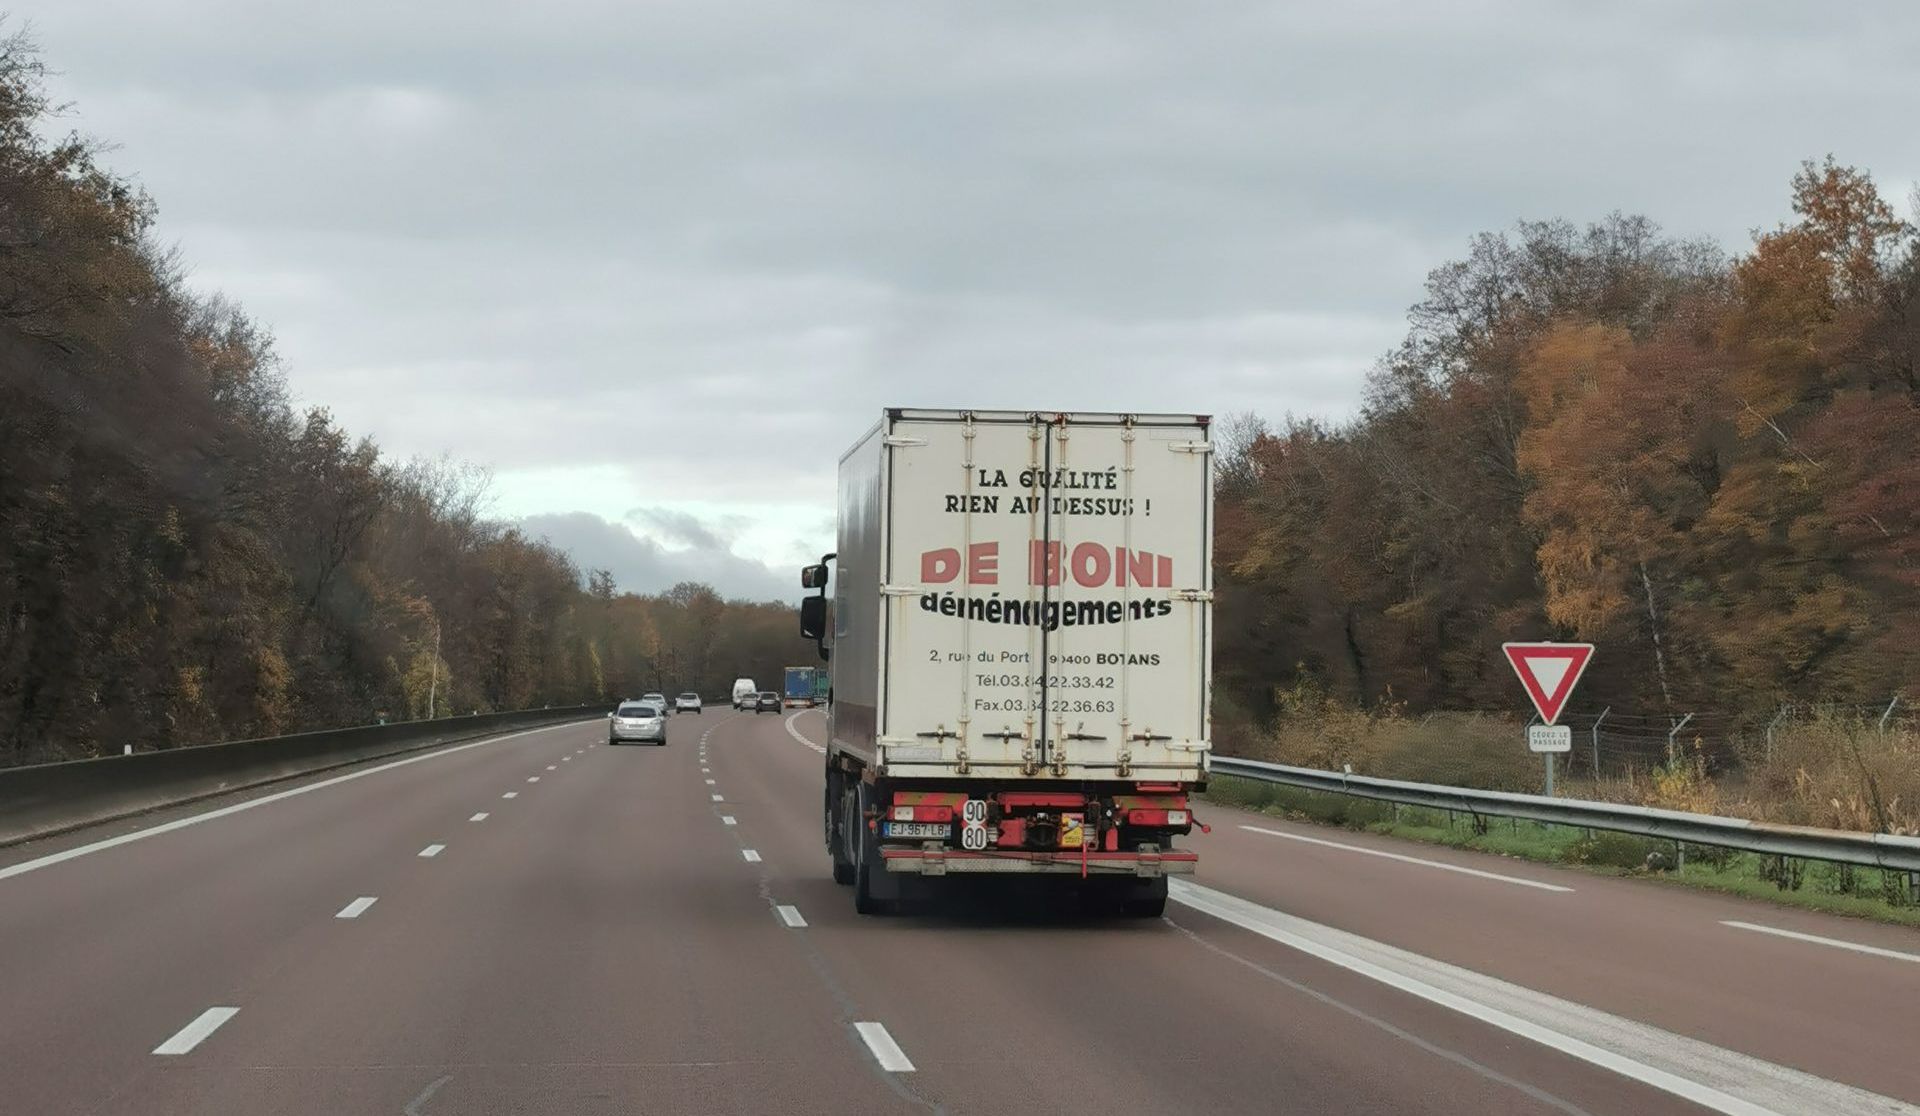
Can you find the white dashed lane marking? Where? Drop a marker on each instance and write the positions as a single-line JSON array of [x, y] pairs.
[[196, 1032], [885, 1051], [356, 908], [432, 850], [791, 916]]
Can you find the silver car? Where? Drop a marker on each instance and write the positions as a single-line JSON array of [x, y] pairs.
[[643, 721]]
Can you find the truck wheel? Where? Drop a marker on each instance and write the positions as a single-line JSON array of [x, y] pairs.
[[873, 892], [1146, 900], [837, 808]]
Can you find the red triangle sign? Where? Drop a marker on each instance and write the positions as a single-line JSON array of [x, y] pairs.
[[1549, 672]]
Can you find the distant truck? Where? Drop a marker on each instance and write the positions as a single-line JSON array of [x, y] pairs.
[[798, 691], [822, 685], [1020, 632]]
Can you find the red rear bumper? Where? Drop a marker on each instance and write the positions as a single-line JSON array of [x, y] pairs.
[[925, 862]]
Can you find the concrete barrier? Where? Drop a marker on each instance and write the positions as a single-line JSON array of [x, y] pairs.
[[51, 798]]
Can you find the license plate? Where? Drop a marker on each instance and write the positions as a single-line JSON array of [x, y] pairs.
[[917, 829]]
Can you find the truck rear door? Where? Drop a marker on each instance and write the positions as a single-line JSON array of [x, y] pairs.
[[1048, 582]]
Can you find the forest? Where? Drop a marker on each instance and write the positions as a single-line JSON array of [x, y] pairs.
[[185, 557], [1706, 464]]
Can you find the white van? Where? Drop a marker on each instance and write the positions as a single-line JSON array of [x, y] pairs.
[[744, 691]]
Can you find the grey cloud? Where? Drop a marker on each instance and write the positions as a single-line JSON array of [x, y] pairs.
[[704, 244], [679, 527], [642, 564]]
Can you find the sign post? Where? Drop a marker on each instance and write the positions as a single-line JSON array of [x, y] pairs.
[[1548, 672]]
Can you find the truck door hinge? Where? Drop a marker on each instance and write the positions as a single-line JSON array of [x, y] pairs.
[[901, 441], [900, 590], [1193, 594], [1190, 447]]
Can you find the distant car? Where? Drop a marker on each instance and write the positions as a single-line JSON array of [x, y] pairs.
[[768, 702], [659, 700], [643, 721], [687, 703]]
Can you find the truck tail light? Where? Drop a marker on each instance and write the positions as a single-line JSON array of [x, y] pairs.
[[922, 813], [1159, 818]]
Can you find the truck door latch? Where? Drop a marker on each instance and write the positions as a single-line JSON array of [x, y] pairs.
[[1148, 737], [941, 733]]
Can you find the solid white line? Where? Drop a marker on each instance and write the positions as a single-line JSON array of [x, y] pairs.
[[750, 856], [511, 794], [795, 733], [1403, 858], [727, 819], [719, 798], [1818, 940], [433, 850], [791, 916], [885, 1051], [478, 817], [51, 859], [196, 1032], [356, 908], [1713, 1077]]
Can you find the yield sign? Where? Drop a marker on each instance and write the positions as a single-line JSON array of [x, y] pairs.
[[1548, 671]]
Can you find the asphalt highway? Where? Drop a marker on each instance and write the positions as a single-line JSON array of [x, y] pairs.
[[541, 923]]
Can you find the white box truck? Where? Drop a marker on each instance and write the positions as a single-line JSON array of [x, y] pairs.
[[1019, 629]]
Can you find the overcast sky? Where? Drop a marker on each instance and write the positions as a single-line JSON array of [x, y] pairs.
[[658, 263]]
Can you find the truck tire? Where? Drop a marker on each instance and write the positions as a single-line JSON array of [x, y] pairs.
[[837, 809], [1147, 899], [873, 892]]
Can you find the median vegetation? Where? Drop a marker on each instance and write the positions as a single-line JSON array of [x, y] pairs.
[[1833, 888]]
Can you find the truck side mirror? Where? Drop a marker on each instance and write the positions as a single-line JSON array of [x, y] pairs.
[[813, 618], [813, 577]]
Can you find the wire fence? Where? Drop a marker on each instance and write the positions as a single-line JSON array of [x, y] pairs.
[[1612, 743]]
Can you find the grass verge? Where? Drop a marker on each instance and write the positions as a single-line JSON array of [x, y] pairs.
[[1810, 885]]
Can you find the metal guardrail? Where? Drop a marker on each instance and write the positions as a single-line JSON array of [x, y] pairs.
[[45, 799], [1874, 850]]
